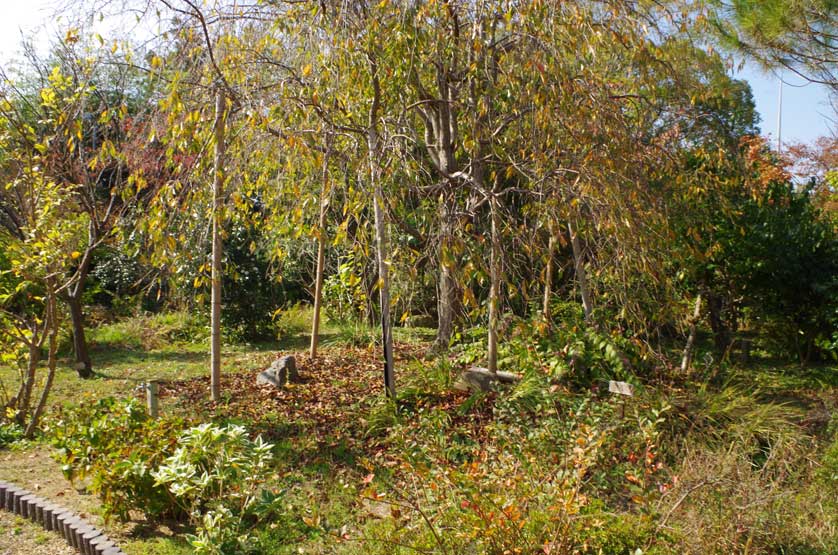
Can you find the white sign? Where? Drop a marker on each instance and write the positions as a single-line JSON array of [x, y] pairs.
[[622, 388]]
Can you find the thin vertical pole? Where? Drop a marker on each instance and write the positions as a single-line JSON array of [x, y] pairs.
[[152, 390], [217, 206], [780, 117], [321, 253]]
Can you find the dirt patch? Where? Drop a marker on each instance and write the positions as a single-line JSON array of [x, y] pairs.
[[35, 470], [19, 536]]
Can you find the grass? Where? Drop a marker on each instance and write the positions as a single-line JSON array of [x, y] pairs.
[[157, 546], [749, 466]]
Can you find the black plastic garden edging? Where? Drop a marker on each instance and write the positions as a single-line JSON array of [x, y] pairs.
[[78, 533]]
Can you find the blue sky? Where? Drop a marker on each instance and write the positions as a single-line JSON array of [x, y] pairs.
[[806, 113]]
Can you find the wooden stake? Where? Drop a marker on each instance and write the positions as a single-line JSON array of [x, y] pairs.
[[217, 221], [151, 391]]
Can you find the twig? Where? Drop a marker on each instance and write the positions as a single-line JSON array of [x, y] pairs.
[[681, 500]]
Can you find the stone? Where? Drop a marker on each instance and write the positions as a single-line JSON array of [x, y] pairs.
[[377, 509], [481, 379], [279, 373]]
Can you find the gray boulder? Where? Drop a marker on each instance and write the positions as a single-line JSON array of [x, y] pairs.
[[279, 373], [481, 379]]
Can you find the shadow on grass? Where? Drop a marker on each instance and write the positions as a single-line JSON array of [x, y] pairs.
[[153, 529], [119, 357]]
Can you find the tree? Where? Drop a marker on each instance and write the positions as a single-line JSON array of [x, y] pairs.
[[78, 115], [798, 35], [41, 238]]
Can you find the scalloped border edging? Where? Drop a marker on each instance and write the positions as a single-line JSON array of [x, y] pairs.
[[78, 533]]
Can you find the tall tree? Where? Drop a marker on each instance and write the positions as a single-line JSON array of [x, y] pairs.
[[798, 35]]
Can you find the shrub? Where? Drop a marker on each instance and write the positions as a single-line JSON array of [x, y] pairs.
[[570, 351], [547, 472], [152, 331], [9, 433], [216, 476], [113, 446], [344, 296]]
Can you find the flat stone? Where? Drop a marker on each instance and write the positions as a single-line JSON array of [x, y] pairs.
[[481, 379], [377, 509]]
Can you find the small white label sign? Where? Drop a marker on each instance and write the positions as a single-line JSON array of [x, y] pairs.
[[622, 388]]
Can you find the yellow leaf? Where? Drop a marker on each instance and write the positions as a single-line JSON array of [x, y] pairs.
[[307, 70], [75, 254]]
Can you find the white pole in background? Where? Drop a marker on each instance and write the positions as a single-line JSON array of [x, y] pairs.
[[780, 117]]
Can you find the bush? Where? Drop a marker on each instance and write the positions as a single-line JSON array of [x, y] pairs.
[[113, 446], [9, 433], [344, 296], [217, 475], [547, 472], [569, 351], [149, 332], [213, 476]]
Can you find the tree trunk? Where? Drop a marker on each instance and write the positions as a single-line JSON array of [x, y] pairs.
[[721, 331], [494, 287], [581, 272], [52, 329], [217, 222], [321, 257], [688, 349], [447, 287], [548, 278], [383, 252], [24, 395], [82, 364]]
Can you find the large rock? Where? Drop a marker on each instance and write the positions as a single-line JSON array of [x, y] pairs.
[[481, 379], [279, 373]]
